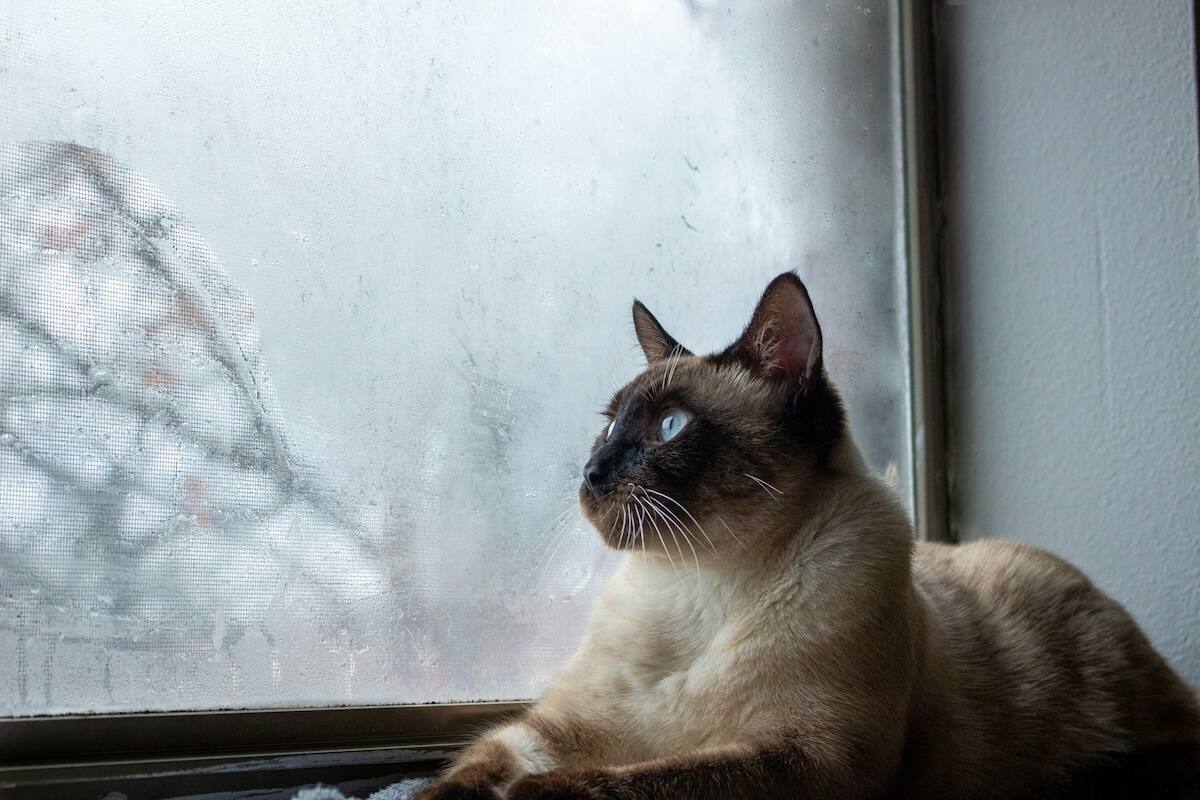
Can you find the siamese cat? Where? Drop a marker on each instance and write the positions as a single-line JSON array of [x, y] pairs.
[[774, 631]]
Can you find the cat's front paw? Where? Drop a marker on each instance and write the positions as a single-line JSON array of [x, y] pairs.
[[458, 790], [557, 786]]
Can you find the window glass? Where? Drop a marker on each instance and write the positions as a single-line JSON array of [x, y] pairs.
[[306, 311]]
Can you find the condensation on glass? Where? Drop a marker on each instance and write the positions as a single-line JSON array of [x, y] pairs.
[[306, 312]]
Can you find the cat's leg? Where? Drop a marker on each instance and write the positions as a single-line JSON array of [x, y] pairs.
[[480, 773], [535, 744], [722, 773]]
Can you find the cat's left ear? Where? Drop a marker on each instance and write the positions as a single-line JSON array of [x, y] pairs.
[[656, 343], [783, 340]]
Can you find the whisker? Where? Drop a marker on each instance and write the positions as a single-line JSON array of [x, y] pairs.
[[682, 526], [545, 548], [562, 538], [643, 515], [628, 531], [687, 539], [683, 532], [551, 542], [551, 526], [695, 522], [640, 525], [547, 532], [653, 522], [671, 530], [631, 531], [641, 537], [730, 530], [768, 488], [568, 520]]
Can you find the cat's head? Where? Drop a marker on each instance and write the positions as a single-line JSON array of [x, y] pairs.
[[706, 452]]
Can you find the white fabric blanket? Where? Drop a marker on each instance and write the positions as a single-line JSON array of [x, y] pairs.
[[403, 790]]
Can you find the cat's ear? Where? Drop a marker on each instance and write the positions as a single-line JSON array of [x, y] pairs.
[[783, 340], [656, 343]]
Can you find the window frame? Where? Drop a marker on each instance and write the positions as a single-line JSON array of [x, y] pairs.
[[245, 750], [922, 227], [178, 752]]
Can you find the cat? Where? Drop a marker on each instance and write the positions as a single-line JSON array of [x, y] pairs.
[[775, 631]]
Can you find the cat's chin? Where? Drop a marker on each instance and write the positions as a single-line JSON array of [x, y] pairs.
[[616, 529]]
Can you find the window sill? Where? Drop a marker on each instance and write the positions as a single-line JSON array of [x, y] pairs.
[[233, 754]]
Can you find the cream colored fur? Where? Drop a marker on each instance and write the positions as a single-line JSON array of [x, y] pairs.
[[812, 649], [718, 661]]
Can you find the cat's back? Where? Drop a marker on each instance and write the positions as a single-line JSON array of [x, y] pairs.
[[1000, 579], [1038, 672]]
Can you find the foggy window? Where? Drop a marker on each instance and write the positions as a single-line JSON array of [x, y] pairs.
[[306, 312]]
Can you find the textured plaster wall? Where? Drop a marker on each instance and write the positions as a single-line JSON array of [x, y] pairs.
[[1074, 293]]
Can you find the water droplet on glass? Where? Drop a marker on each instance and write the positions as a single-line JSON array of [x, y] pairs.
[[97, 377]]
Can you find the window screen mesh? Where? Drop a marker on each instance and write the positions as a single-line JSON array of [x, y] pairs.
[[306, 310]]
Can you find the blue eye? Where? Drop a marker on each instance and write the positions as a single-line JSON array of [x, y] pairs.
[[608, 431], [672, 423]]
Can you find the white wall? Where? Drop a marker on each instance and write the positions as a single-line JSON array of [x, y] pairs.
[[1074, 293]]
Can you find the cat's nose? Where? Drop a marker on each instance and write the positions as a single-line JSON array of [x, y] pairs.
[[595, 475]]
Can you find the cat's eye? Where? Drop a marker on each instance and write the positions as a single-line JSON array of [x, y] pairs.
[[672, 423], [609, 430]]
